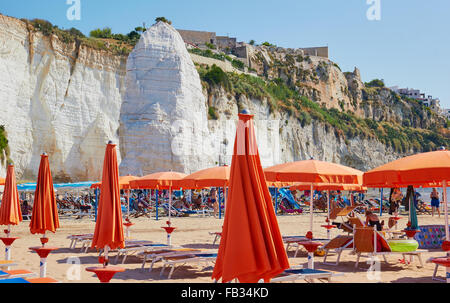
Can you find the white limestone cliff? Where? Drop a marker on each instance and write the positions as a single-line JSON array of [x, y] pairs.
[[57, 98], [163, 122]]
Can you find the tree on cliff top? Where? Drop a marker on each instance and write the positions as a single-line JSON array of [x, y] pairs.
[[101, 33], [163, 19]]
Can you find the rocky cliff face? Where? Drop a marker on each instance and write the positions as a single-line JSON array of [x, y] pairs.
[[68, 100], [63, 99]]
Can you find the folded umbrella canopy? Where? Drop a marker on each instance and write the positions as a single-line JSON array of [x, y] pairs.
[[10, 213], [251, 247], [108, 232], [45, 213]]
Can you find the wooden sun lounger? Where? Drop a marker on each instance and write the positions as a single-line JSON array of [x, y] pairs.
[[184, 259], [338, 244]]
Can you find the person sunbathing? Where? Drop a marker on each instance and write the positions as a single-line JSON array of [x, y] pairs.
[[373, 220]]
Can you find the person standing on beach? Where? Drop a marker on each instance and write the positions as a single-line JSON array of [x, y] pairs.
[[214, 202], [435, 202], [394, 203]]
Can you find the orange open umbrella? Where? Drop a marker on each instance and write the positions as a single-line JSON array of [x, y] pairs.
[[419, 169], [210, 177], [45, 213], [424, 169], [161, 180], [124, 182], [10, 213], [327, 186], [108, 232], [251, 247], [313, 171]]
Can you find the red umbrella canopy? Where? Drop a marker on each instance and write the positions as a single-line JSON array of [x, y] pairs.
[[10, 213], [251, 247], [45, 213], [109, 225]]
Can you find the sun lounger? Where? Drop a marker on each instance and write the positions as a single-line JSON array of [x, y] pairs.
[[159, 255], [338, 245], [216, 235], [18, 273], [136, 248], [29, 280], [5, 263], [185, 259], [365, 242], [434, 277], [294, 274], [74, 239]]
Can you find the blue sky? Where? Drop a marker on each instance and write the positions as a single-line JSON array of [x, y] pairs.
[[408, 47]]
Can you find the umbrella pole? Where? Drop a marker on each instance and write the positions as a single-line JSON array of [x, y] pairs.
[[328, 213], [8, 247], [276, 200], [447, 235], [96, 203], [220, 204], [381, 202], [156, 198], [169, 240], [311, 206], [128, 203]]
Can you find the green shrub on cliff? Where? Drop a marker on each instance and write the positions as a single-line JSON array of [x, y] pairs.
[[4, 147], [281, 97]]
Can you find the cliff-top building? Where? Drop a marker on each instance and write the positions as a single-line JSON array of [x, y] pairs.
[[429, 101]]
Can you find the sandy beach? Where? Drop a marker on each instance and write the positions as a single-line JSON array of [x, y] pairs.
[[193, 232]]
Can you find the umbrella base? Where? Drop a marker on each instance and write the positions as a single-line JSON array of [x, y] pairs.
[[105, 274]]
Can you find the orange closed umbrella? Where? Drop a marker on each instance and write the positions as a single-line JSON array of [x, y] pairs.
[[108, 232], [10, 213], [109, 227], [2, 181], [251, 247], [45, 213]]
